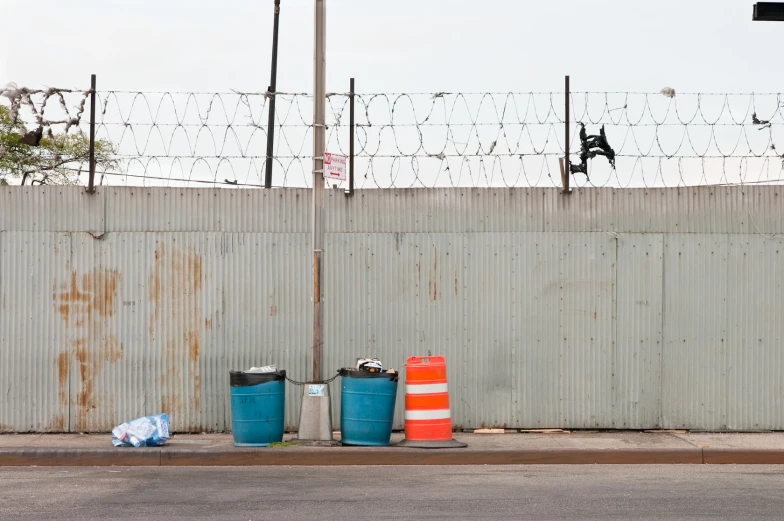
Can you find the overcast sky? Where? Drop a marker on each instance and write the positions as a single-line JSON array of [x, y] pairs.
[[405, 45], [420, 46]]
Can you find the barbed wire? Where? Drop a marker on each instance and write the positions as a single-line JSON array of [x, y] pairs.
[[423, 139]]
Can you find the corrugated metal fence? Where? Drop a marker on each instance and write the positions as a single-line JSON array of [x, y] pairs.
[[602, 309]]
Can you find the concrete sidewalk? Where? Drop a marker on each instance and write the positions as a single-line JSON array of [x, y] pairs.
[[580, 447]]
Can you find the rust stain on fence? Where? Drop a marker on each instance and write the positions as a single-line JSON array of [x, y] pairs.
[[171, 404], [154, 288], [194, 334], [62, 377], [57, 424], [433, 283], [98, 294], [193, 345], [175, 295], [83, 303]]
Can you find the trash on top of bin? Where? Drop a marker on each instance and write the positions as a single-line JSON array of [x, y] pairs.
[[147, 431], [264, 369], [372, 365], [348, 372]]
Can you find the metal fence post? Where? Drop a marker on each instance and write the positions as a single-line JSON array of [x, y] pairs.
[[91, 180], [567, 169], [351, 139]]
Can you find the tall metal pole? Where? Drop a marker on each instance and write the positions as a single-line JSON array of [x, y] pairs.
[[315, 419], [351, 139], [567, 164], [272, 89], [91, 180], [319, 108]]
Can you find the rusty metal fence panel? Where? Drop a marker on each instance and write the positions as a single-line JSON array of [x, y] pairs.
[[35, 390], [604, 309]]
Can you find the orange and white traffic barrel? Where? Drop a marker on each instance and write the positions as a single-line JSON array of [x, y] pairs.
[[428, 419]]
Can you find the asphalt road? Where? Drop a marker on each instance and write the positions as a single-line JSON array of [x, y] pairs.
[[372, 493]]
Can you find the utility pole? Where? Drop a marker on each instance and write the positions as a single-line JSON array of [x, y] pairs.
[[319, 109], [315, 422], [272, 89]]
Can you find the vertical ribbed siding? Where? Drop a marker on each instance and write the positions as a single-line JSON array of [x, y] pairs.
[[487, 294], [399, 295], [763, 206], [96, 329], [264, 211], [755, 333], [371, 289], [639, 210], [168, 210], [127, 209], [746, 209], [535, 278], [459, 210], [395, 296], [586, 325], [635, 211], [267, 311], [345, 303], [7, 363], [574, 212], [33, 345], [694, 365], [184, 292], [49, 209], [182, 210], [639, 287], [104, 310], [443, 326], [126, 255]]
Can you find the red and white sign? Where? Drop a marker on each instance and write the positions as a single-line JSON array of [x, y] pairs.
[[334, 166]]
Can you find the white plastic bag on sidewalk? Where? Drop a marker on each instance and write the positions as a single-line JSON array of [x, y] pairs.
[[147, 431]]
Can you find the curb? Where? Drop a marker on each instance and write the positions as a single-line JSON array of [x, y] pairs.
[[155, 457], [743, 456], [433, 457], [78, 458]]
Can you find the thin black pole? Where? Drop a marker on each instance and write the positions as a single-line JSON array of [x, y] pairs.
[[91, 181], [351, 139], [271, 89], [567, 164]]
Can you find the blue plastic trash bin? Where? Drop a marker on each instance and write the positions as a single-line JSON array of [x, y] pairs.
[[367, 406], [257, 405]]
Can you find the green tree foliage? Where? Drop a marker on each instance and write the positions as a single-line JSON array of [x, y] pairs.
[[56, 160]]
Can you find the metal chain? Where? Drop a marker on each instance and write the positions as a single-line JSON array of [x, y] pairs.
[[308, 383]]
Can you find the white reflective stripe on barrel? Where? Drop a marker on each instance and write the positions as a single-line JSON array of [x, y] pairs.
[[425, 388], [439, 414]]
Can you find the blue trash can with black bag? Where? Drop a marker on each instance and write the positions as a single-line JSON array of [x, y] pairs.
[[367, 407], [257, 407]]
